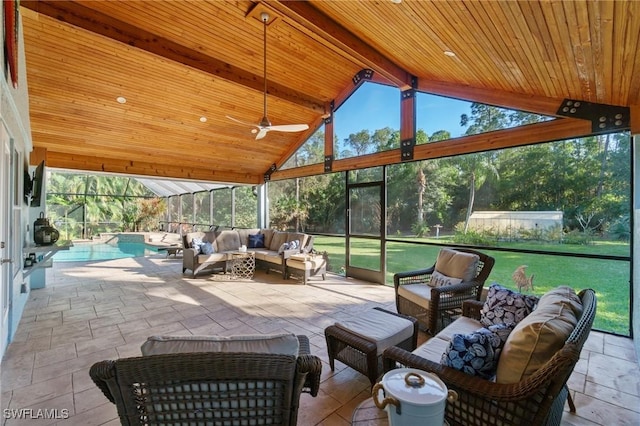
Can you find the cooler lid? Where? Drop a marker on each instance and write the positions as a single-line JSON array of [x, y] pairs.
[[414, 386]]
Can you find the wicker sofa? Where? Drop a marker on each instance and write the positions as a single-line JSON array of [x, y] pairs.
[[228, 241], [533, 367]]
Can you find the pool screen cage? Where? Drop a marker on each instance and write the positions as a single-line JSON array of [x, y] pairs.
[[83, 205]]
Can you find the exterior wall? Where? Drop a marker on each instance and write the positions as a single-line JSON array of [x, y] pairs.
[[14, 117]]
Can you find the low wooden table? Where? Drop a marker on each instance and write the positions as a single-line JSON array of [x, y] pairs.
[[366, 413]]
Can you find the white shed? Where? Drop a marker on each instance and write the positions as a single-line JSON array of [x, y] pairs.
[[509, 223]]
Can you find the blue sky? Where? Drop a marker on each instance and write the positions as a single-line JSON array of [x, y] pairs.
[[375, 106]]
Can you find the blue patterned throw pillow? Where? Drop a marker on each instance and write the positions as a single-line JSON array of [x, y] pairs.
[[256, 241], [207, 248], [475, 353], [197, 243], [504, 306]]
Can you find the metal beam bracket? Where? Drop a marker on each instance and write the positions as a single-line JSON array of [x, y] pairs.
[[406, 149], [604, 118], [267, 175], [328, 163], [408, 94], [365, 74]]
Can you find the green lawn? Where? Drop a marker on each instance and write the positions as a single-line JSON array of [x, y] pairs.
[[610, 279]]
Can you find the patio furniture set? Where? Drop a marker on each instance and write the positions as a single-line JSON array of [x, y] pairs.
[[289, 253], [508, 358]]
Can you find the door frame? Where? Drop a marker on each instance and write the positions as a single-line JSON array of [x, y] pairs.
[[6, 255], [376, 276]]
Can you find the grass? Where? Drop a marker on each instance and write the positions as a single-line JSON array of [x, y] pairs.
[[609, 278]]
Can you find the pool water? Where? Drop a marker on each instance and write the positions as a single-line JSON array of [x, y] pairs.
[[80, 252]]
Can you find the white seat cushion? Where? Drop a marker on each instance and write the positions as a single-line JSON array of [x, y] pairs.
[[419, 294], [384, 329], [462, 325], [432, 349]]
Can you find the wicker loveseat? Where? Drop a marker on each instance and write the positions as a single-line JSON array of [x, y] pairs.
[[431, 304], [539, 395], [185, 380], [227, 241]]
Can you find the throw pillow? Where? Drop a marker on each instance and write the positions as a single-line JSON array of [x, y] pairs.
[[295, 244], [196, 243], [438, 280], [457, 264], [207, 248], [256, 241], [502, 330], [283, 247], [505, 306], [539, 336], [474, 353]]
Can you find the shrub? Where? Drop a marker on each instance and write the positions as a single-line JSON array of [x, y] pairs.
[[420, 229]]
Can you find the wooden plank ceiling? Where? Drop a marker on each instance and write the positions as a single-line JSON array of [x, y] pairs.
[[178, 61]]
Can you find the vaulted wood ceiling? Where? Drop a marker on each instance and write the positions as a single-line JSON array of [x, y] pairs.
[[177, 61]]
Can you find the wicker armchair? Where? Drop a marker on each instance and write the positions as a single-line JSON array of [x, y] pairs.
[[438, 305], [536, 400], [209, 388]]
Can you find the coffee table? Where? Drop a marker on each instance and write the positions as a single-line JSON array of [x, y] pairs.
[[243, 265]]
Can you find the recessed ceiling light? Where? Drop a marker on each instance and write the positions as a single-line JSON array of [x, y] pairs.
[[396, 1], [203, 119], [449, 53], [121, 100]]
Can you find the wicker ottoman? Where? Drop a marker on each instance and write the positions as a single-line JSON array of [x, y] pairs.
[[307, 265], [359, 342]]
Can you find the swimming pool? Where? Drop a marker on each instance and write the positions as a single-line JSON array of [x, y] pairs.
[[85, 251]]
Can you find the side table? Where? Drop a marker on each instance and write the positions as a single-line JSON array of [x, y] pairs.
[[243, 264], [367, 414]]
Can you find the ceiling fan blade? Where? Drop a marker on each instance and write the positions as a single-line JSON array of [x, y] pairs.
[[240, 121], [289, 127], [262, 133]]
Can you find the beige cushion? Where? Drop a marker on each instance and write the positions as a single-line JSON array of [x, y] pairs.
[[302, 238], [244, 235], [420, 294], [539, 335], [191, 235], [438, 280], [277, 240], [227, 241], [457, 264], [268, 235], [286, 344], [380, 327]]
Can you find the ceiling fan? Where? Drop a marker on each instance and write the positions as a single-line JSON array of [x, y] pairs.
[[265, 125]]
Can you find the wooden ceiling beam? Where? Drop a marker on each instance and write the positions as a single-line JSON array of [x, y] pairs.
[[140, 168], [518, 136], [91, 20], [517, 101], [326, 31]]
